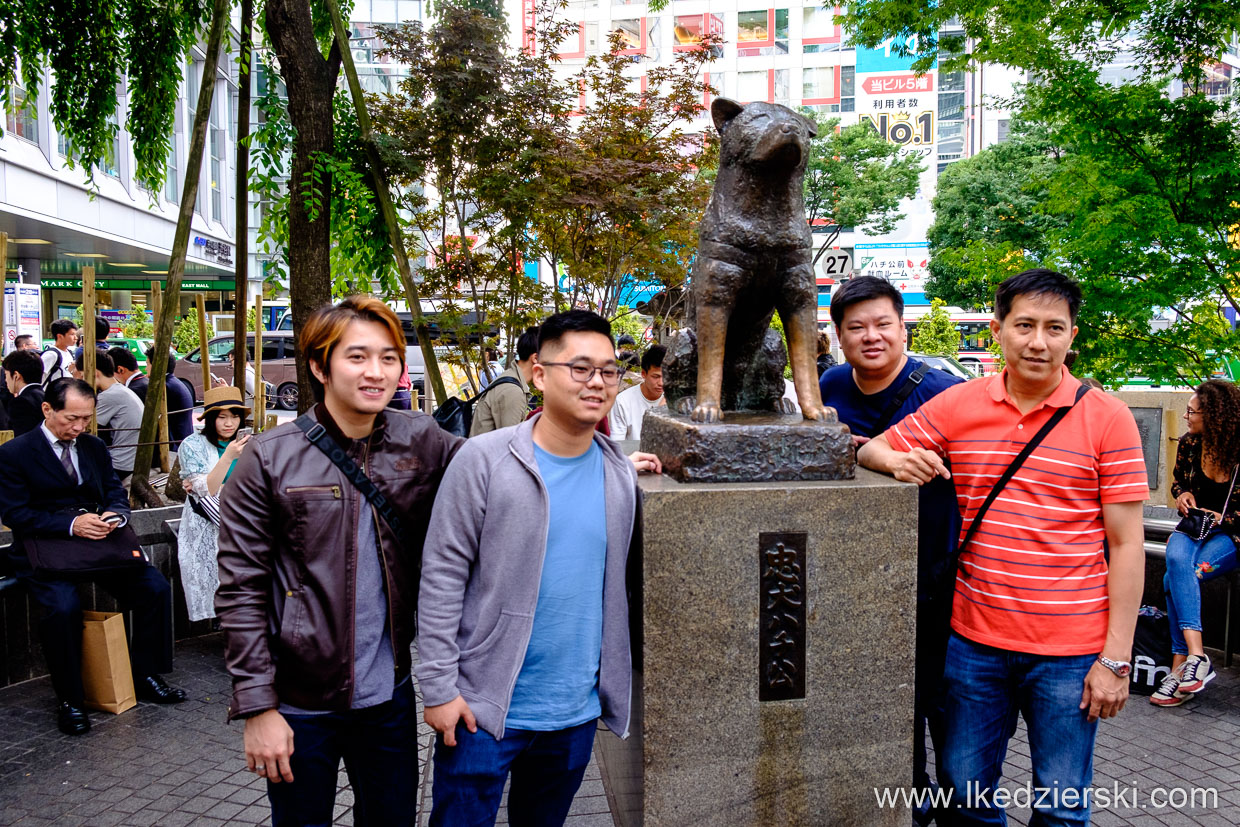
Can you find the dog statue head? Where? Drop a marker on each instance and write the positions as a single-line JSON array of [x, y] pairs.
[[763, 135]]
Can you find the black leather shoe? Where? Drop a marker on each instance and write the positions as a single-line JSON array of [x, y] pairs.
[[152, 688], [72, 719]]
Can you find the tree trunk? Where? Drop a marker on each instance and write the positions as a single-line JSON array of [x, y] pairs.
[[141, 492], [244, 60], [311, 82]]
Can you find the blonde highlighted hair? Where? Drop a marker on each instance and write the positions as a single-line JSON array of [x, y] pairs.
[[325, 327]]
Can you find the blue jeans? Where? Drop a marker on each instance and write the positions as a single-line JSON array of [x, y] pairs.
[[1189, 563], [379, 747], [547, 768], [985, 690]]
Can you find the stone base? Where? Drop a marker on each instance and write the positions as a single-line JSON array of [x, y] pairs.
[[749, 447], [706, 751]]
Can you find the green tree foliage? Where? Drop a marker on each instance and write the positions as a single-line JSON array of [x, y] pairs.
[[990, 220], [935, 333], [185, 334], [1138, 194], [855, 178], [137, 325], [628, 180], [92, 48]]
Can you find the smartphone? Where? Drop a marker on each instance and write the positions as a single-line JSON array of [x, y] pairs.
[[245, 432], [113, 519]]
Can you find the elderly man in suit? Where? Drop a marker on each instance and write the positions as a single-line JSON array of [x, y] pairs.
[[47, 477]]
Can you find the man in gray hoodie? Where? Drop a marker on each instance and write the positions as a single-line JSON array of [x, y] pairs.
[[524, 603]]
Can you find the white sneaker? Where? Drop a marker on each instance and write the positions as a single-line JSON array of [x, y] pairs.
[[1168, 693], [1198, 671]]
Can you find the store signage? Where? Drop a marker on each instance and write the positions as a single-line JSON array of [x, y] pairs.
[[898, 84], [135, 284], [216, 251]]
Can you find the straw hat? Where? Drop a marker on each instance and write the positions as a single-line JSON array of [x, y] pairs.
[[223, 398]]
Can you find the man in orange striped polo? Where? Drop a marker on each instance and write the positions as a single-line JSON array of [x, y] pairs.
[[1048, 587]]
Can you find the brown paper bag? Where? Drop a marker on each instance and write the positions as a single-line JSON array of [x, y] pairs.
[[106, 675]]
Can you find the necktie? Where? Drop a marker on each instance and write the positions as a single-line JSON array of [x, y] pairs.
[[66, 460]]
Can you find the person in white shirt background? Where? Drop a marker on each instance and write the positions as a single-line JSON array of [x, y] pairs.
[[632, 404]]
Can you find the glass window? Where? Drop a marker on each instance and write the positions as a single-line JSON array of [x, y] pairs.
[[818, 83], [818, 22], [752, 86], [219, 350], [216, 136], [1005, 126], [951, 106], [23, 115], [631, 35], [781, 86], [172, 184], [110, 163], [848, 88], [763, 32], [689, 29]]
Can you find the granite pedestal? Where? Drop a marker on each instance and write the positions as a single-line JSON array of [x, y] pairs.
[[706, 749]]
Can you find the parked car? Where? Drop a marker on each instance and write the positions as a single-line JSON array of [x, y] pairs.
[[279, 366], [947, 364], [138, 347]]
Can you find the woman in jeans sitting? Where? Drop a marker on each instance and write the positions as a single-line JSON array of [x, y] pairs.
[[1205, 470]]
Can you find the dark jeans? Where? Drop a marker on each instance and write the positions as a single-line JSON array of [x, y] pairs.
[[379, 747], [986, 689], [547, 768], [144, 591], [933, 631]]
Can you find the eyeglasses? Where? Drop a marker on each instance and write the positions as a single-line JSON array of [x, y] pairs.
[[1191, 412], [584, 371]]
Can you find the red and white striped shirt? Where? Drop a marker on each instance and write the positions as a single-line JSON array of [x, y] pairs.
[[1034, 577]]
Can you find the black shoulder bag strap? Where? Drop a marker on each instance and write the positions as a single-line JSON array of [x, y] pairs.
[[318, 436], [893, 405], [499, 380], [1016, 463]]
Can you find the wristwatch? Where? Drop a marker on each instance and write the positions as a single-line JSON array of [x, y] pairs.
[[1119, 667]]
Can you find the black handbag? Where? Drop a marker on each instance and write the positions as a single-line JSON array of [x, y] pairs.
[[1197, 523], [64, 556]]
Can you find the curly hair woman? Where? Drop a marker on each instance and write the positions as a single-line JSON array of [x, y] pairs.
[[1206, 465]]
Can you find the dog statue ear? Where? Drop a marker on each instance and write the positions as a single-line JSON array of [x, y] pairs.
[[812, 125], [722, 111]]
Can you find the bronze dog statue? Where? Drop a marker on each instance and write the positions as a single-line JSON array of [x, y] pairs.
[[754, 257]]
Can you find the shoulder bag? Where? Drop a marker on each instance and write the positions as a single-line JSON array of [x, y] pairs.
[[66, 556], [1197, 523], [1017, 463]]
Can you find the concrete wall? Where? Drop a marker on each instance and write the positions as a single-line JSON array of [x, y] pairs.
[[1171, 420]]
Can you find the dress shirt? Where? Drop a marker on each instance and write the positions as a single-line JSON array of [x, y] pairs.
[[77, 468]]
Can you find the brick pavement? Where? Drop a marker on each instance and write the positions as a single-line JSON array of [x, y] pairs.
[[181, 765]]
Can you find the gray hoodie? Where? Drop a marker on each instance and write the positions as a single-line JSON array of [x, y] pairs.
[[481, 569]]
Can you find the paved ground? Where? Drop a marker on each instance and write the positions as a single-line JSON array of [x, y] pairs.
[[182, 765]]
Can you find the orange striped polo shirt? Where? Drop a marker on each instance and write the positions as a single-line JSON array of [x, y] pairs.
[[1034, 577]]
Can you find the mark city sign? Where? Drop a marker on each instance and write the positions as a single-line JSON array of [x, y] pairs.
[[135, 284]]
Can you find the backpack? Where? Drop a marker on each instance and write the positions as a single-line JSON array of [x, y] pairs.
[[456, 416], [57, 372]]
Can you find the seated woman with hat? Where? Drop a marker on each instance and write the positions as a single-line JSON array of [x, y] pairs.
[[207, 459]]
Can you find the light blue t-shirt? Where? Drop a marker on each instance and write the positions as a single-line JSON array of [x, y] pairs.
[[557, 687]]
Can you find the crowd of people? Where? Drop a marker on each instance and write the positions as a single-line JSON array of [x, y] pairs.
[[326, 549]]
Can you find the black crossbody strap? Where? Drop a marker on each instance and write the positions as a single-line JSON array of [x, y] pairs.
[[318, 436], [906, 390], [1016, 463]]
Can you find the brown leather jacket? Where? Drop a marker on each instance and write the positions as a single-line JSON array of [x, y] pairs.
[[288, 556]]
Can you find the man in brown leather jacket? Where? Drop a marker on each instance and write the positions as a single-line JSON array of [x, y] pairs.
[[318, 589]]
